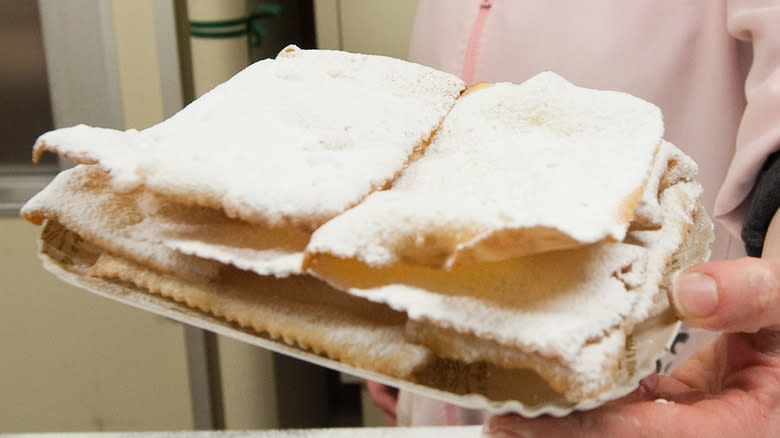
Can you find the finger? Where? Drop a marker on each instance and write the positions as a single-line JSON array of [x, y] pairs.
[[385, 402], [390, 418], [511, 425], [383, 395], [735, 296], [385, 398], [646, 419]]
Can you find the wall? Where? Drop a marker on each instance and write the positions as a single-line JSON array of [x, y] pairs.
[[137, 63], [375, 27], [73, 361]]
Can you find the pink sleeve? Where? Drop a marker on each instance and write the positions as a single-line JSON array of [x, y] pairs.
[[756, 22]]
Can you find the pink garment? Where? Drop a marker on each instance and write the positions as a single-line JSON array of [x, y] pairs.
[[712, 66]]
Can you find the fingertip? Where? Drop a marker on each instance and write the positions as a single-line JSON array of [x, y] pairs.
[[694, 295], [516, 426], [733, 295], [649, 384], [494, 426], [505, 426]]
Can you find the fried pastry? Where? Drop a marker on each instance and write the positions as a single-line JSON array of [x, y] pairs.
[[514, 170], [185, 240], [541, 222], [294, 140], [506, 248]]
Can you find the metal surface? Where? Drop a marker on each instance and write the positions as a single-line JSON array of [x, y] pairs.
[[78, 38], [204, 376], [25, 111], [202, 355], [16, 187]]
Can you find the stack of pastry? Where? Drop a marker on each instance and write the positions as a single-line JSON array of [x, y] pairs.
[[504, 246]]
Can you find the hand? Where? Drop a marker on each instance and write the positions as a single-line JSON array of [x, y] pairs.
[[730, 388], [385, 398]]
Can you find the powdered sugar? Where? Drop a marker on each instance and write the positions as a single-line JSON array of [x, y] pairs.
[[80, 199], [299, 138], [504, 160], [523, 302], [169, 236], [279, 262], [543, 154], [576, 306]]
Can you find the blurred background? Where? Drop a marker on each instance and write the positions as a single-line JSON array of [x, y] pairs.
[[72, 361]]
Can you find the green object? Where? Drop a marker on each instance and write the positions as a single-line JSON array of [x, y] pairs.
[[251, 25]]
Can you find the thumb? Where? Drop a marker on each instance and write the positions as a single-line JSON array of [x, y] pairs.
[[734, 296]]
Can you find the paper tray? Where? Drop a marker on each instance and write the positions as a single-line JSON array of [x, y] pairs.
[[645, 346]]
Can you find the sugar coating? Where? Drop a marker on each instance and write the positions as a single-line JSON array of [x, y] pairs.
[[673, 196], [576, 306], [674, 166], [278, 262], [298, 138], [80, 200], [208, 234], [524, 302], [544, 153], [170, 236]]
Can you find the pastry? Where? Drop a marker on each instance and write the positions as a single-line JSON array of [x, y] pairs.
[[505, 247]]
